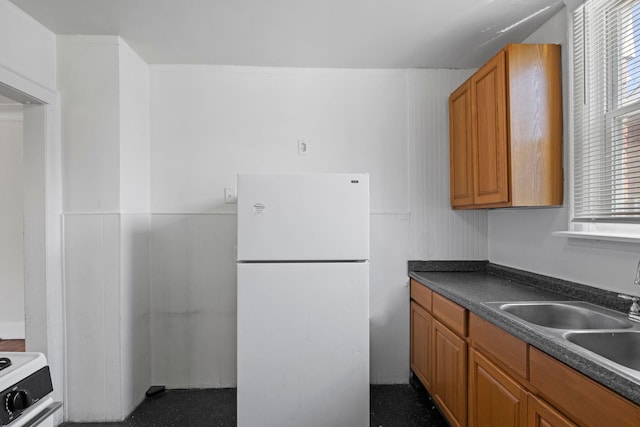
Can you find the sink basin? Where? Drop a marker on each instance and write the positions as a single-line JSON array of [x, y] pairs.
[[622, 348], [564, 315], [598, 334]]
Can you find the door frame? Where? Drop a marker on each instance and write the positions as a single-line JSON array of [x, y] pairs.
[[43, 243]]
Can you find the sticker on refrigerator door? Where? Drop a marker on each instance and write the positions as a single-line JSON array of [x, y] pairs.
[[258, 209]]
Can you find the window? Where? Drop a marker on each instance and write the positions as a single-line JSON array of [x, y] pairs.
[[606, 146]]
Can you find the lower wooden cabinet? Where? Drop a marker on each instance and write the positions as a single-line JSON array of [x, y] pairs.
[[450, 374], [540, 414], [421, 348], [481, 376], [495, 400], [439, 351], [579, 397]]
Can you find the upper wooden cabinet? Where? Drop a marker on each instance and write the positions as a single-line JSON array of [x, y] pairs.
[[505, 128]]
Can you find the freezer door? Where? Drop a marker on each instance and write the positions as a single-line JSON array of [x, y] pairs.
[[303, 345], [303, 217]]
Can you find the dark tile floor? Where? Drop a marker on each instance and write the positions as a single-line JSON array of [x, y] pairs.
[[391, 406]]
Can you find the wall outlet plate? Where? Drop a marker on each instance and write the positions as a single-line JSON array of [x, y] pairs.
[[230, 195]]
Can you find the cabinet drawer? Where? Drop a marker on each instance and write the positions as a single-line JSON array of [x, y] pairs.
[[450, 314], [503, 346], [421, 294], [582, 399]]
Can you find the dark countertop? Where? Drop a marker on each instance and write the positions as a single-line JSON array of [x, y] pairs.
[[471, 289]]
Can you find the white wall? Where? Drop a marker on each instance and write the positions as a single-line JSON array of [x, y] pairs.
[[11, 229], [88, 77], [210, 123], [133, 74], [105, 123], [135, 226], [522, 238], [437, 231], [193, 288]]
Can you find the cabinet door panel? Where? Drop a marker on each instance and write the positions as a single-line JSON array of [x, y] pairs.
[[461, 148], [450, 374], [489, 127], [543, 415], [421, 348], [495, 400]]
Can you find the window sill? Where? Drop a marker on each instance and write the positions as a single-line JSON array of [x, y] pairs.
[[599, 235]]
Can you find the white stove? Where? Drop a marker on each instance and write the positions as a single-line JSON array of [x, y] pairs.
[[26, 391]]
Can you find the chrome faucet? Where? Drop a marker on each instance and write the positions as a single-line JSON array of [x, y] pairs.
[[634, 311]]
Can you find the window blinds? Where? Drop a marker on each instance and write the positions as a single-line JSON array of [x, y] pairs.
[[606, 148]]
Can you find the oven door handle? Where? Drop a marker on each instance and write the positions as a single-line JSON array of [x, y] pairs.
[[43, 415]]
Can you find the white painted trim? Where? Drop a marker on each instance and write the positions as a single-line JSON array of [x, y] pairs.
[[12, 330], [82, 39], [573, 4], [272, 70], [44, 323], [234, 213], [106, 213], [27, 86], [605, 236]]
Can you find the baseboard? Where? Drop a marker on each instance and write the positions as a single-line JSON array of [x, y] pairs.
[[12, 330]]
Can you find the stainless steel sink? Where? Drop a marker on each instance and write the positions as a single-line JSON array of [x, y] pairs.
[[621, 347], [596, 333], [564, 315]]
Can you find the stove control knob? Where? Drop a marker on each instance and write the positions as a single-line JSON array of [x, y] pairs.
[[18, 401]]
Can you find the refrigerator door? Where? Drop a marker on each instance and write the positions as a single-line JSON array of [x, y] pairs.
[[303, 217], [303, 344]]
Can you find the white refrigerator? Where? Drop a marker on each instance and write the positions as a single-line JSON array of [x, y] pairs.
[[303, 300]]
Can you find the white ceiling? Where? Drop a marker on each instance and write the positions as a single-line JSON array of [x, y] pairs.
[[303, 33]]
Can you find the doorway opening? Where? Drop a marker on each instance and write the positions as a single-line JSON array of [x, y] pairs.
[[12, 306], [42, 225], [16, 210]]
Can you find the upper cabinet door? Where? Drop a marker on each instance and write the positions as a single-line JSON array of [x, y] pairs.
[[489, 131], [512, 110], [461, 147]]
